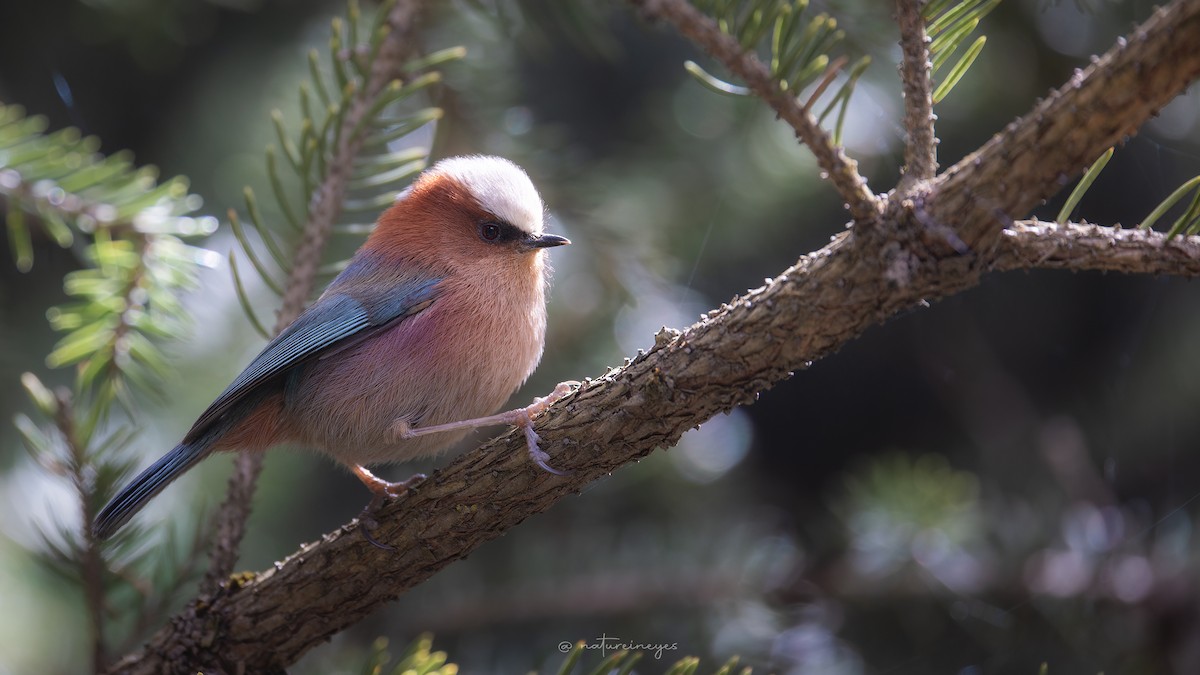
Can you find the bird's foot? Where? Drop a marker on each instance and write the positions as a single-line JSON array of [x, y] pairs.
[[383, 491], [521, 417]]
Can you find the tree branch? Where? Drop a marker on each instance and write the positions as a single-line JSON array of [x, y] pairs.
[[864, 206], [920, 148], [265, 622], [325, 210], [91, 564], [1032, 244], [1036, 155]]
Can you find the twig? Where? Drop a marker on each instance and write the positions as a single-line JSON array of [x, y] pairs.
[[91, 564], [920, 149], [842, 171], [325, 209], [1032, 244]]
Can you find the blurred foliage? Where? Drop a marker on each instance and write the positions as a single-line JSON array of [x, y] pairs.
[[901, 509], [137, 266], [381, 167], [154, 33], [416, 659], [127, 231], [1003, 480], [796, 48]]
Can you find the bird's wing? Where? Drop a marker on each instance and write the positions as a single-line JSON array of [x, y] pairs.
[[345, 314]]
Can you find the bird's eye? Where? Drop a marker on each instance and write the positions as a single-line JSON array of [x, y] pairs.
[[489, 231]]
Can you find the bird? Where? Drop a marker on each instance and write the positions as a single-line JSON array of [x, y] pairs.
[[433, 324]]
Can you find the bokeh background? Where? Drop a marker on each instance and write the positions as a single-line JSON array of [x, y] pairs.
[[1007, 478]]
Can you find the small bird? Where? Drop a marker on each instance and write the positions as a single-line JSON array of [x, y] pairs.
[[438, 318]]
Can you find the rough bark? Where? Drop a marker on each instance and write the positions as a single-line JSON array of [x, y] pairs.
[[920, 146], [1031, 244]]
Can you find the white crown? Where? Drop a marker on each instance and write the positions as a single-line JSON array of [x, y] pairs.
[[501, 187]]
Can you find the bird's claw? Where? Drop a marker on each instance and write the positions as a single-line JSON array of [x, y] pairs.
[[398, 488], [539, 405], [383, 491], [367, 522], [536, 454]]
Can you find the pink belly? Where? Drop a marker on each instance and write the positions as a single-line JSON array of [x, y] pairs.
[[417, 371]]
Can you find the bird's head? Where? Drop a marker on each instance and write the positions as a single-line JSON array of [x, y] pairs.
[[465, 212]]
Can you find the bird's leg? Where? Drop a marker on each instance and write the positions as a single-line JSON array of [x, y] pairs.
[[521, 417], [383, 491]]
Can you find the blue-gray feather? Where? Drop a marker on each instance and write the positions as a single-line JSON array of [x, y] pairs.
[[149, 483], [336, 321]]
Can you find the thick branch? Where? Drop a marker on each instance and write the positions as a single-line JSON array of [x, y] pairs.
[[686, 378], [1037, 154], [324, 211], [920, 148], [737, 351], [808, 312], [1031, 244], [842, 171]]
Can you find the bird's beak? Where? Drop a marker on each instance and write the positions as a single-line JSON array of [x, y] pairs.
[[545, 241]]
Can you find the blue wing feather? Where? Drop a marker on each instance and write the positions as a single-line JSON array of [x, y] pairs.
[[355, 307]]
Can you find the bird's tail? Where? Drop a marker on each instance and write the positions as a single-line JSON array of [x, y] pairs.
[[149, 483]]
